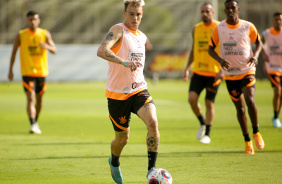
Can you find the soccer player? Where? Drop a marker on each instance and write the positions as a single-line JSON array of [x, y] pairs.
[[206, 72], [272, 54], [238, 61], [126, 88], [34, 43]]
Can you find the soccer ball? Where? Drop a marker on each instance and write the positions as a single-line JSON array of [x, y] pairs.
[[159, 176]]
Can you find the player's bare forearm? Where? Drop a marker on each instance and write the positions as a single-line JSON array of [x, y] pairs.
[[109, 55], [258, 48], [111, 40], [50, 44], [224, 64]]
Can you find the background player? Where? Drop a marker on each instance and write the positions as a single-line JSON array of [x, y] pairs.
[[34, 43], [233, 36], [272, 55], [206, 72]]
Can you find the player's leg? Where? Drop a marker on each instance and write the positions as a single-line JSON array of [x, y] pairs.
[[195, 105], [40, 89], [276, 101], [196, 86], [30, 107], [29, 87], [149, 116], [242, 119], [119, 113], [249, 94], [209, 120], [38, 105], [241, 115], [211, 91], [117, 145], [235, 92]]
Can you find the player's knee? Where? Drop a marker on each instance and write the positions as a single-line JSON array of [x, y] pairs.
[[152, 125], [250, 103], [241, 110], [192, 100], [122, 141]]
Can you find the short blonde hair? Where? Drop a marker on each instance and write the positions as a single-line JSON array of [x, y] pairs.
[[127, 2]]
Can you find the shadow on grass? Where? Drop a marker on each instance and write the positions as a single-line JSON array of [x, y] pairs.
[[164, 155], [67, 143]]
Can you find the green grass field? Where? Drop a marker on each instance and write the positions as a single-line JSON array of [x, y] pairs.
[[75, 144]]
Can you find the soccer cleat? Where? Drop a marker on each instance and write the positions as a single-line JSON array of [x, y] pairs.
[[205, 140], [34, 128], [276, 123], [153, 168], [259, 141], [201, 131], [116, 173], [249, 149]]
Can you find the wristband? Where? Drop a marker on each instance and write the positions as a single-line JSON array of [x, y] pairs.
[[125, 63]]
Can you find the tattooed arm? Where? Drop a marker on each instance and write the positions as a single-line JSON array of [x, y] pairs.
[[113, 38]]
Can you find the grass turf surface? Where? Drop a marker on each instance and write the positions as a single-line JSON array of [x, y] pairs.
[[75, 144]]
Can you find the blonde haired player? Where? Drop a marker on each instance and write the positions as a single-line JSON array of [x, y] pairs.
[[126, 88], [238, 61]]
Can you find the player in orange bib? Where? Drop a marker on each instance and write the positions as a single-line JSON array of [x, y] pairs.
[[206, 72], [272, 54], [238, 61], [126, 88], [34, 43]]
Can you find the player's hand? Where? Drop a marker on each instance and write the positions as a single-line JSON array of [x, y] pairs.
[[225, 64], [253, 62], [185, 75], [219, 75], [43, 45], [133, 65], [11, 76]]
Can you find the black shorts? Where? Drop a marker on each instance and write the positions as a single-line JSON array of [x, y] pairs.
[[275, 80], [199, 82], [36, 84], [235, 87], [120, 110]]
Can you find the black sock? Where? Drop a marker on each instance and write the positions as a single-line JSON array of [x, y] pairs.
[[32, 121], [255, 130], [115, 161], [276, 113], [201, 119], [152, 158], [208, 129], [247, 137], [36, 118]]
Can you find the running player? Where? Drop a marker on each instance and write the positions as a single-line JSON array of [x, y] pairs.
[[238, 61], [272, 54], [34, 43], [126, 88], [206, 72]]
